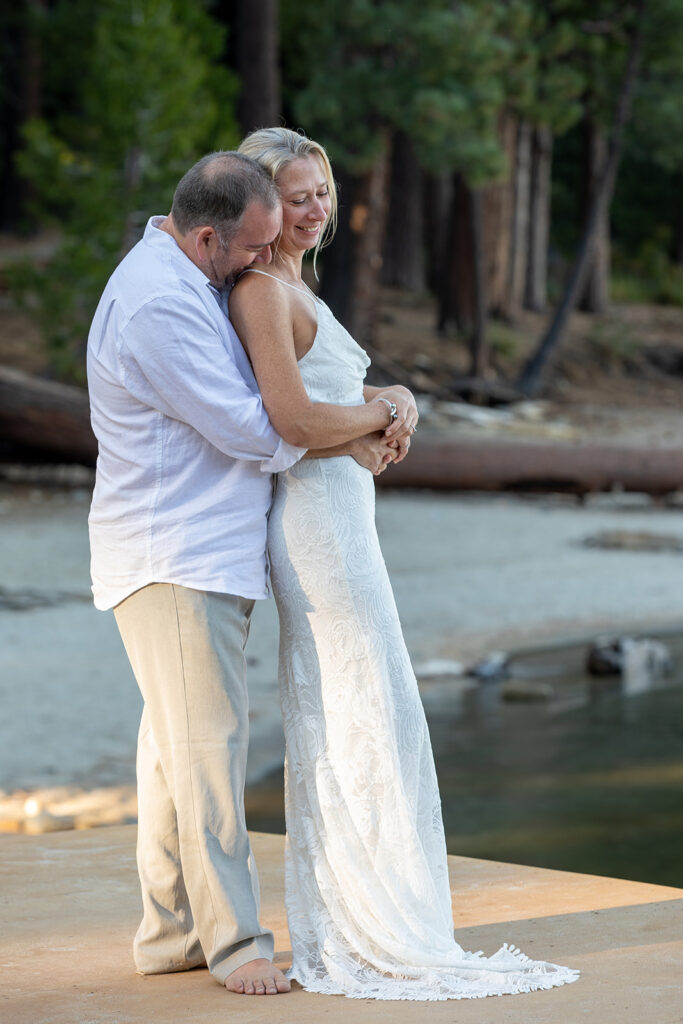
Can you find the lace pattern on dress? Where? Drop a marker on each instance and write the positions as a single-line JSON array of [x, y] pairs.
[[367, 891]]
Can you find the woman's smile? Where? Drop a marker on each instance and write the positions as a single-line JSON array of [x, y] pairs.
[[305, 193]]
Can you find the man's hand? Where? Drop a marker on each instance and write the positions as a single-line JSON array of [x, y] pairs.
[[401, 446], [373, 452]]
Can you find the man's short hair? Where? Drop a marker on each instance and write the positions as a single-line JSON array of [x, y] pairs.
[[217, 191]]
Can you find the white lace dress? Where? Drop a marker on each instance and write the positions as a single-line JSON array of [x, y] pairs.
[[367, 892]]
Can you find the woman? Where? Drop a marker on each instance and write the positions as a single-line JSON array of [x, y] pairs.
[[368, 898]]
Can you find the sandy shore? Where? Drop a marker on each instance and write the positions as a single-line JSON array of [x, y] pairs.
[[471, 574], [72, 906]]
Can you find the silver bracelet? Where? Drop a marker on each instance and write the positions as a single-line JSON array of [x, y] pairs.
[[392, 408]]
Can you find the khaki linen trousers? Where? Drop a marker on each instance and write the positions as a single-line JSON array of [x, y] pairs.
[[199, 884]]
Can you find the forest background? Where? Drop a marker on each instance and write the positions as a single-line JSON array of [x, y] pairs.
[[493, 157]]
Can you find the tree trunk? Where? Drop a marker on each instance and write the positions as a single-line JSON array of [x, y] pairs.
[[596, 294], [457, 287], [335, 263], [436, 202], [677, 220], [520, 222], [256, 58], [20, 100], [132, 176], [463, 295], [531, 376], [497, 223], [367, 222], [478, 345], [536, 289], [404, 264]]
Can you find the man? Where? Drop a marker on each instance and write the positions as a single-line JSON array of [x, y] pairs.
[[178, 534]]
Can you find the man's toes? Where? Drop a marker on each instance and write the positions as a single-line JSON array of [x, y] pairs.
[[257, 978]]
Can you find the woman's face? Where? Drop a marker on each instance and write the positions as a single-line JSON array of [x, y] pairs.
[[306, 203]]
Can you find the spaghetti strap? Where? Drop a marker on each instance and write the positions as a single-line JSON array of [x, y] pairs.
[[309, 294]]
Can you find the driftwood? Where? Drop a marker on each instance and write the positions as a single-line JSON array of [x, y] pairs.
[[467, 465], [45, 416]]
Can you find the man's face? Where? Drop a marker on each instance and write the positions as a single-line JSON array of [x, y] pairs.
[[254, 240]]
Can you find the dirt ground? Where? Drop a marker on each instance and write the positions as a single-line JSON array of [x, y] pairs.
[[632, 356], [617, 374]]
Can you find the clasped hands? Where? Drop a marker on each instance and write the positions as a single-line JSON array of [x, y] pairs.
[[378, 450]]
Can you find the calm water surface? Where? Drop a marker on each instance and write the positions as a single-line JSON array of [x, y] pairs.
[[590, 780]]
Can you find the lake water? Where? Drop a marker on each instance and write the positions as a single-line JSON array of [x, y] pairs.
[[590, 780]]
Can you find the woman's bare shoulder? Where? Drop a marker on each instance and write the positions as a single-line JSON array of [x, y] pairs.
[[256, 290]]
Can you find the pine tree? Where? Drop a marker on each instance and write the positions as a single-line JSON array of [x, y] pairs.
[[358, 73], [146, 98]]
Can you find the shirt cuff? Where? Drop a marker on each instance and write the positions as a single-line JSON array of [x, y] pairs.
[[285, 456]]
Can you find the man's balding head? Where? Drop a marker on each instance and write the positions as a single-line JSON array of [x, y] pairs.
[[217, 191]]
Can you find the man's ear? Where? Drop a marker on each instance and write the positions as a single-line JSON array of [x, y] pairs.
[[202, 241]]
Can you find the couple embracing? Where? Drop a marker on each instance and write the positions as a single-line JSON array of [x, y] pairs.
[[237, 439]]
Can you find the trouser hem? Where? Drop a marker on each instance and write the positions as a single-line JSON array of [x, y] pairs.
[[145, 972], [256, 950]]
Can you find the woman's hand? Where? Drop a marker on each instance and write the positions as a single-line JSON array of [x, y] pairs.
[[407, 415], [373, 452]]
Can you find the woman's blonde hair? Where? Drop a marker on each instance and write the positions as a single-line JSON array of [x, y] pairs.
[[274, 148]]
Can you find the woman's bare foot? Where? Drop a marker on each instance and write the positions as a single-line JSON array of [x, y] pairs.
[[257, 978]]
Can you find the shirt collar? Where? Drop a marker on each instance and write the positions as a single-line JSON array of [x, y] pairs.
[[187, 270]]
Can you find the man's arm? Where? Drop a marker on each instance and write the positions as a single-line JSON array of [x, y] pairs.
[[373, 452], [174, 359]]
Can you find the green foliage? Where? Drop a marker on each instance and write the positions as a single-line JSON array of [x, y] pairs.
[[441, 72], [648, 275], [612, 342], [545, 84], [146, 100], [430, 68], [665, 290], [648, 202], [505, 341], [657, 125]]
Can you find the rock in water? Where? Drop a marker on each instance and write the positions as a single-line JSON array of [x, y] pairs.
[[494, 666], [605, 657], [638, 660], [526, 690], [633, 540]]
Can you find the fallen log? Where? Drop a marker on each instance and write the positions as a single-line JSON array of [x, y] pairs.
[[580, 468], [46, 416]]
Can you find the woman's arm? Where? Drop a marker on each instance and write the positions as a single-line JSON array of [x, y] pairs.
[[263, 315]]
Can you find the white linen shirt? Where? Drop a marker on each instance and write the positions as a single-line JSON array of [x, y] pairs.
[[186, 450]]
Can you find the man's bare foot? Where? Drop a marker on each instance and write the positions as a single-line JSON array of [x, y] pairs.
[[257, 978]]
